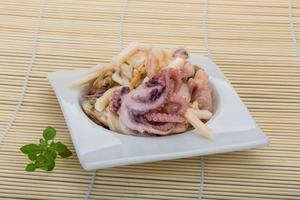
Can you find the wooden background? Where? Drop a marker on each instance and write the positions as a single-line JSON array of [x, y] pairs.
[[253, 42]]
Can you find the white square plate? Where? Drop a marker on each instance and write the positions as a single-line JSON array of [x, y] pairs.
[[98, 147]]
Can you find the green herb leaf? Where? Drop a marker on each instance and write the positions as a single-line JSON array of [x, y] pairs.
[[50, 166], [32, 156], [51, 154], [44, 167], [40, 161], [44, 154], [52, 145], [65, 154], [49, 133], [46, 162], [30, 167], [59, 147], [30, 148], [43, 144], [62, 150]]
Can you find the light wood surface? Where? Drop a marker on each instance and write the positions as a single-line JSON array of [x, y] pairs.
[[250, 40]]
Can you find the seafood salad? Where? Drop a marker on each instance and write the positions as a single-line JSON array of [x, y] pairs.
[[148, 91]]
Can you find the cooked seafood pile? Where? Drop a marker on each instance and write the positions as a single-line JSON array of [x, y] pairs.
[[148, 91]]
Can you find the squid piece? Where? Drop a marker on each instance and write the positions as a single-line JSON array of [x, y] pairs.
[[113, 121], [91, 76], [154, 61], [102, 117], [137, 60], [120, 80], [103, 101], [202, 114], [125, 54], [177, 63], [138, 77], [201, 128], [126, 71]]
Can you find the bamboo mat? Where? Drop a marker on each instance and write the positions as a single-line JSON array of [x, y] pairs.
[[252, 41]]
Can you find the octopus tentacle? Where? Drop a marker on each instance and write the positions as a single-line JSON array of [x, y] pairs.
[[176, 105], [181, 52], [139, 99], [115, 102], [164, 117], [180, 127], [141, 110], [161, 128], [173, 80], [99, 92]]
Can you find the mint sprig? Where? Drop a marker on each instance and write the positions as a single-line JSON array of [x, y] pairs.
[[44, 154]]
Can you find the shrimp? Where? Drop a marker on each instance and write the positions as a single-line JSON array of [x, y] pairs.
[[201, 75], [188, 70], [201, 91], [205, 99]]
